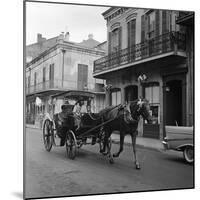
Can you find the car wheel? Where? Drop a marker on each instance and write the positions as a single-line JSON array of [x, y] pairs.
[[188, 154]]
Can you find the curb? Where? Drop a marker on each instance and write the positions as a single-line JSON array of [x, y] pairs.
[[139, 145]]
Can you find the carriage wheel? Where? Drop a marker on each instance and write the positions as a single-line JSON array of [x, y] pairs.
[[47, 135], [71, 145]]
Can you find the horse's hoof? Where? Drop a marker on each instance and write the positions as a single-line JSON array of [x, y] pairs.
[[137, 166], [102, 151], [115, 155], [105, 153], [111, 160]]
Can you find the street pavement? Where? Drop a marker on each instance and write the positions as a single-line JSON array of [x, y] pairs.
[[49, 174]]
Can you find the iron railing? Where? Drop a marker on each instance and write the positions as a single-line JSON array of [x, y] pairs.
[[61, 85], [183, 14], [167, 42]]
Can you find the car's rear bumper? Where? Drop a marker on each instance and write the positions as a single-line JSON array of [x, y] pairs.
[[165, 144]]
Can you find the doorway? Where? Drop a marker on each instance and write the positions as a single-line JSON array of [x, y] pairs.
[[131, 93], [174, 103], [175, 100]]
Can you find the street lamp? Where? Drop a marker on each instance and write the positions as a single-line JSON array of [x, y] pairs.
[[107, 87], [141, 79]]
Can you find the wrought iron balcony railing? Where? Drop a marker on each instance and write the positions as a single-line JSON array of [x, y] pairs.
[[60, 85], [185, 18], [171, 41]]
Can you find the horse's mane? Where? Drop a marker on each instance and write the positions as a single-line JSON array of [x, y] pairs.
[[107, 109]]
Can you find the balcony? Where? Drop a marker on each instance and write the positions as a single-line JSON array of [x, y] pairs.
[[59, 85], [170, 43], [185, 18]]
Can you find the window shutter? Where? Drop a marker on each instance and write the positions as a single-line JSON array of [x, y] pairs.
[[44, 74], [82, 77], [109, 42], [35, 78], [128, 30], [133, 22], [50, 72], [143, 28], [164, 22], [120, 37], [147, 22], [157, 22]]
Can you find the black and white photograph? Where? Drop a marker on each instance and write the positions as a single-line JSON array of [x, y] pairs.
[[108, 99]]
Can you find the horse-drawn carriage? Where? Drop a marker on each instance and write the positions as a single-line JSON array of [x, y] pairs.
[[74, 131]]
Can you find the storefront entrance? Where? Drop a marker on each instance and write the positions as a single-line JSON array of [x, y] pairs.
[[131, 93], [174, 103], [175, 100], [151, 92]]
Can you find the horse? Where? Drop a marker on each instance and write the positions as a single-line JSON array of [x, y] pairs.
[[125, 120]]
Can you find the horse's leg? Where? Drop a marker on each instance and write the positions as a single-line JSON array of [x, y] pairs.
[[133, 137], [107, 152], [104, 142], [121, 145]]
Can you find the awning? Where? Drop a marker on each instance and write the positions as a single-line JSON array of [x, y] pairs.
[[76, 95]]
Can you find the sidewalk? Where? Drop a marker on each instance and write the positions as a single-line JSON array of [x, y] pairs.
[[140, 141]]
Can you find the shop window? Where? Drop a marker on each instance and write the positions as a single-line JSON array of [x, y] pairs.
[[152, 95], [115, 97]]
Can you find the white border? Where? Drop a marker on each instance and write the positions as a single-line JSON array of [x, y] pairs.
[[12, 97]]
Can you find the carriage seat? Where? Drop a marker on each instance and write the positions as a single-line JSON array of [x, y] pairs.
[[64, 118]]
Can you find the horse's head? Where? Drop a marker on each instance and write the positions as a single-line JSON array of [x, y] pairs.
[[141, 107]]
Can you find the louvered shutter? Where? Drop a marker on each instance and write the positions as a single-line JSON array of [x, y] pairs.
[[120, 37], [143, 28], [128, 27], [82, 77], [164, 21], [133, 22], [157, 21], [109, 42], [164, 30]]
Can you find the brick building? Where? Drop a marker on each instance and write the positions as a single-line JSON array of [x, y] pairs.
[[148, 45]]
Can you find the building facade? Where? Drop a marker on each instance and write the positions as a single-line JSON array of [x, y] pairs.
[[65, 66], [147, 58]]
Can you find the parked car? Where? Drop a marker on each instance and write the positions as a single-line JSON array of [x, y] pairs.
[[180, 138]]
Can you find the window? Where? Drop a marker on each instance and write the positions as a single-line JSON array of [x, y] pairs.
[[51, 75], [131, 32], [51, 72], [115, 97], [44, 74], [35, 78], [82, 77], [115, 40], [151, 25], [152, 95]]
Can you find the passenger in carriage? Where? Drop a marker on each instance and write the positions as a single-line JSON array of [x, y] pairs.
[[77, 113], [60, 121]]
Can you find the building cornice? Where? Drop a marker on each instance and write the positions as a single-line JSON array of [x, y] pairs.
[[114, 12], [66, 46]]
